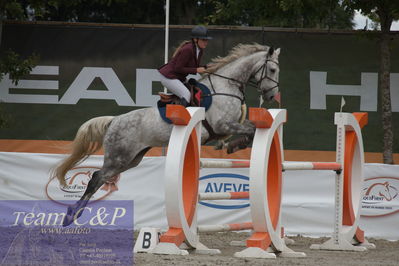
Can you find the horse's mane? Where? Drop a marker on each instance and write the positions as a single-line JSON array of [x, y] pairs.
[[238, 51]]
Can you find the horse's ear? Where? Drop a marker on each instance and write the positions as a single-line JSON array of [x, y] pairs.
[[277, 51], [271, 51]]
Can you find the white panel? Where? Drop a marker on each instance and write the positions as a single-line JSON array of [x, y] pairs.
[[308, 196]]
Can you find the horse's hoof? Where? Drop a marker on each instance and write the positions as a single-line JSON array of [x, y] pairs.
[[231, 150], [69, 217]]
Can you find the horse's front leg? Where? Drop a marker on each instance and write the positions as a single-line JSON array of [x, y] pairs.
[[75, 211], [246, 131]]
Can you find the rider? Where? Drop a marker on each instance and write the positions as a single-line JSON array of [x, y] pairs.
[[185, 60]]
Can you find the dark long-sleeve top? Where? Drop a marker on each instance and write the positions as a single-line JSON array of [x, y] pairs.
[[183, 63]]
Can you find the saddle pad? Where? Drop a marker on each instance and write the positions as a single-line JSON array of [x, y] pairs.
[[206, 102]]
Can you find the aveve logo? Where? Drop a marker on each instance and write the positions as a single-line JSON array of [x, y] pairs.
[[77, 180], [381, 196], [224, 182]]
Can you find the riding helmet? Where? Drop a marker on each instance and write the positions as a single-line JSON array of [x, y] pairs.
[[200, 32]]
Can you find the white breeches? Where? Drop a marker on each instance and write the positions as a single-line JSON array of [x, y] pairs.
[[176, 87]]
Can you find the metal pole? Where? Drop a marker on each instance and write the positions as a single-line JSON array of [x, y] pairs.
[[166, 30], [165, 90]]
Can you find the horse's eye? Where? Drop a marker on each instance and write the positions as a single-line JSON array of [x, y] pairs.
[[272, 70]]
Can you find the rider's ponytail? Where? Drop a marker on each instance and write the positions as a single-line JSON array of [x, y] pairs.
[[180, 46]]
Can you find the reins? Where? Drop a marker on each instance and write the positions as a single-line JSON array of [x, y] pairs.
[[244, 84], [241, 88]]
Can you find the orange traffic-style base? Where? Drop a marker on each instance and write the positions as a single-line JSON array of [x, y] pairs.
[[259, 240], [359, 235], [173, 235]]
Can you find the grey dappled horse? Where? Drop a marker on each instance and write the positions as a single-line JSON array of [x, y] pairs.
[[127, 137]]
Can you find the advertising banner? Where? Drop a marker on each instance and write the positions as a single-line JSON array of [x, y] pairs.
[[307, 204], [33, 233]]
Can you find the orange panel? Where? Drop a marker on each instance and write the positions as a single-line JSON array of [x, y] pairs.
[[348, 217], [191, 177], [178, 114], [260, 117], [274, 180], [259, 240], [362, 118]]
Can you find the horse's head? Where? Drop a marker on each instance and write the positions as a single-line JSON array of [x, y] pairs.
[[267, 74], [381, 190], [384, 191]]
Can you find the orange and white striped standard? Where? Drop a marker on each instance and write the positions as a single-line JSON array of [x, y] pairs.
[[223, 195], [225, 227], [224, 164], [265, 186], [311, 166], [286, 165]]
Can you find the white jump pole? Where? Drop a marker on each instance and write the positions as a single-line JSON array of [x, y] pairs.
[[286, 165], [225, 227], [224, 164], [223, 195]]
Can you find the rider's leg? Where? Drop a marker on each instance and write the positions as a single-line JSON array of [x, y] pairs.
[[183, 102], [177, 88]]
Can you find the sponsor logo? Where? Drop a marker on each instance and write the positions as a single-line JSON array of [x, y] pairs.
[[224, 182], [32, 233], [380, 196], [77, 180]]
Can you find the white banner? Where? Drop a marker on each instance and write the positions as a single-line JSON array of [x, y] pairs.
[[308, 196]]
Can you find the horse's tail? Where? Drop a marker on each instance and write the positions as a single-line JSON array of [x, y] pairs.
[[88, 140]]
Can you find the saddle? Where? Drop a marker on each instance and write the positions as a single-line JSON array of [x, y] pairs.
[[195, 92], [200, 97]]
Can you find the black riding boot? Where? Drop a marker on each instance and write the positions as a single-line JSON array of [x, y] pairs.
[[183, 102]]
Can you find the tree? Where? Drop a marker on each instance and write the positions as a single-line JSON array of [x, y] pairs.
[[320, 14], [112, 11], [384, 12], [11, 62]]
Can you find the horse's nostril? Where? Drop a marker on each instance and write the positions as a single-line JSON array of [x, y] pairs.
[[271, 97]]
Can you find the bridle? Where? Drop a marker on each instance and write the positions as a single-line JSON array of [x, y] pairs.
[[264, 75], [257, 84]]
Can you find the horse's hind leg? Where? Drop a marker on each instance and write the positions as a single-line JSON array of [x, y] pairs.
[[138, 158], [98, 179], [246, 131]]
